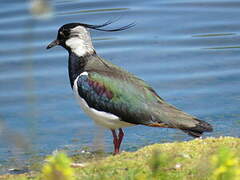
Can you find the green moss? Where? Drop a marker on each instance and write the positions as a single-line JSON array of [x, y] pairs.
[[191, 160]]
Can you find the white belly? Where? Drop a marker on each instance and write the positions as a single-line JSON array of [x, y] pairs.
[[101, 118]]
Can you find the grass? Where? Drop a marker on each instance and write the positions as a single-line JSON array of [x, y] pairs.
[[203, 159]]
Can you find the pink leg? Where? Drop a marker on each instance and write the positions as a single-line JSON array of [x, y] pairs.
[[120, 137], [115, 142]]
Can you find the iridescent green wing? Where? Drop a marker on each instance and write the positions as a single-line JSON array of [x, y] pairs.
[[125, 96]]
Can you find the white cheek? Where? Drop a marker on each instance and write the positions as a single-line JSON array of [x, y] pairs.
[[79, 46]]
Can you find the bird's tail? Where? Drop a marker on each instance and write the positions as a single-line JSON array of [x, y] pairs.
[[171, 117], [198, 129]]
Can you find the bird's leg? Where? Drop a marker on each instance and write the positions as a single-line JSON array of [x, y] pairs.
[[120, 137], [115, 142]]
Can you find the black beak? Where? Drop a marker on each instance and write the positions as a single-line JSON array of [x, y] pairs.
[[54, 43]]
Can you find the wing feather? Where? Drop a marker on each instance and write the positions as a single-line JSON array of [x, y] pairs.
[[121, 97]]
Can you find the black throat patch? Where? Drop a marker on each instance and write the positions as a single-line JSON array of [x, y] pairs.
[[76, 65]]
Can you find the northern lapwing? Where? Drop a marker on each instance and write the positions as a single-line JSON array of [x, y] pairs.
[[113, 97]]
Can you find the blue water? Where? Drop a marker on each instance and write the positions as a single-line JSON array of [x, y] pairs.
[[187, 50]]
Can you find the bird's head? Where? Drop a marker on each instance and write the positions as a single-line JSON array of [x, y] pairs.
[[76, 38]]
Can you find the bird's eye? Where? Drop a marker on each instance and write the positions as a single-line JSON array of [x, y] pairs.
[[64, 33]]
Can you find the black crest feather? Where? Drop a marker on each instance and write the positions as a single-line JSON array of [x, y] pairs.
[[98, 27]]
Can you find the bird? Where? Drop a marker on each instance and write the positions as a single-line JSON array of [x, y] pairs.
[[113, 97]]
